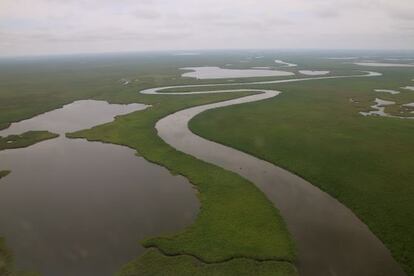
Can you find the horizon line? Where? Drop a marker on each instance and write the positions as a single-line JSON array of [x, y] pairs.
[[172, 51]]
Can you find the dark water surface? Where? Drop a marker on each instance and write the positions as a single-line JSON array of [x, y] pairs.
[[72, 207], [331, 240]]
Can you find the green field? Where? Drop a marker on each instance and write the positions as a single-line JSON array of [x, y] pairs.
[[155, 263], [315, 131]]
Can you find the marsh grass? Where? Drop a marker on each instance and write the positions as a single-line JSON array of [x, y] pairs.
[[25, 139], [312, 129], [155, 263]]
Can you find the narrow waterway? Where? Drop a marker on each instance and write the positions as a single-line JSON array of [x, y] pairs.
[[331, 240], [76, 208]]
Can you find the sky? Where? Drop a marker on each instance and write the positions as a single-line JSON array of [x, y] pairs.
[[39, 27]]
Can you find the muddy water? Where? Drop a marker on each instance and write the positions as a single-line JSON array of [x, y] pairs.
[[331, 240], [72, 207]]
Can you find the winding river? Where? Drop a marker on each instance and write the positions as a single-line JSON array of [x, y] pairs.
[[331, 240]]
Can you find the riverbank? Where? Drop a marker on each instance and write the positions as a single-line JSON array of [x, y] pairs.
[[317, 134], [235, 221], [43, 89]]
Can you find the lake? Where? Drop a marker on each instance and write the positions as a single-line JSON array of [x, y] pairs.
[[73, 207]]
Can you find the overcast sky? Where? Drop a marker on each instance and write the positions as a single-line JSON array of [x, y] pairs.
[[30, 27]]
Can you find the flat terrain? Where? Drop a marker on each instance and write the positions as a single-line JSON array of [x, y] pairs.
[[313, 129], [228, 202], [155, 263]]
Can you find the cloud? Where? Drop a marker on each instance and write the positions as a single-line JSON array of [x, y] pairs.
[[185, 24]]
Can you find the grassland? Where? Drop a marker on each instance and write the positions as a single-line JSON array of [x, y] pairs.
[[25, 139], [313, 130], [31, 87], [237, 225], [155, 263]]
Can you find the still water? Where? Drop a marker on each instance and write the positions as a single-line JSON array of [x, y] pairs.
[[73, 207]]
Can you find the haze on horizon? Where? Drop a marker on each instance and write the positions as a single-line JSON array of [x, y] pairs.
[[38, 27]]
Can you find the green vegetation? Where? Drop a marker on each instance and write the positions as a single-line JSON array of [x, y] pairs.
[[316, 132], [24, 140], [3, 174], [32, 87], [236, 220], [155, 263], [217, 234]]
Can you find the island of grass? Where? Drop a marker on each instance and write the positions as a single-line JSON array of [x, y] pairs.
[[26, 139], [237, 229]]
